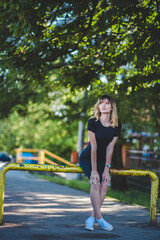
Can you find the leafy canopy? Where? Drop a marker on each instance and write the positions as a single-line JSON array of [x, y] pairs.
[[79, 41]]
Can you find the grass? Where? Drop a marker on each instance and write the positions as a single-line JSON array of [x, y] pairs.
[[131, 196]]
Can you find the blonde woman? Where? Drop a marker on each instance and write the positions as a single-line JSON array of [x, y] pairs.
[[95, 160]]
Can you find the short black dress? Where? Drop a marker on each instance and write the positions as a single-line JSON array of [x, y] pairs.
[[104, 135]]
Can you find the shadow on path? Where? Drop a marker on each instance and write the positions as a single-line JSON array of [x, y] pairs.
[[38, 209]]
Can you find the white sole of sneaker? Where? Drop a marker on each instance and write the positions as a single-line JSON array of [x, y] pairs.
[[108, 229], [89, 228]]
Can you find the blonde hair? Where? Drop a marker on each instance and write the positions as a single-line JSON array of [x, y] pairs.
[[113, 115]]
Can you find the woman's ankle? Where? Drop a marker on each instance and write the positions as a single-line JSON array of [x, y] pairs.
[[93, 214], [98, 216]]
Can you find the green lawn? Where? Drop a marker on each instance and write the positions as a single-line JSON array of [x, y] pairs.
[[131, 196]]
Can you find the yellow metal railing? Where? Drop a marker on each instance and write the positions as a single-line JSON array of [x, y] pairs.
[[52, 168], [41, 156]]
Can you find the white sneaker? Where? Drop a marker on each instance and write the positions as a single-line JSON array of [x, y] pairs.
[[104, 225], [89, 223]]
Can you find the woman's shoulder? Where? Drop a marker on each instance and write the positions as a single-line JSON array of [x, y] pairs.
[[119, 124], [92, 120], [92, 124]]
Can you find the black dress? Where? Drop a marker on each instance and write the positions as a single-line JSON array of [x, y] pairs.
[[104, 136]]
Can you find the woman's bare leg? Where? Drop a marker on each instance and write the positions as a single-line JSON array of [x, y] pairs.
[[95, 200], [102, 191]]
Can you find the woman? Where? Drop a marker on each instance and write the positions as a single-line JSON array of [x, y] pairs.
[[95, 160]]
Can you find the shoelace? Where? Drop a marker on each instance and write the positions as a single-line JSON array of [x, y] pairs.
[[104, 223]]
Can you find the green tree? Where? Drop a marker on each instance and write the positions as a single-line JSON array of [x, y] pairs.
[[38, 130], [80, 40]]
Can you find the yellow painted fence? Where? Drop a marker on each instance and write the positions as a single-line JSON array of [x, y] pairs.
[[40, 156], [55, 168]]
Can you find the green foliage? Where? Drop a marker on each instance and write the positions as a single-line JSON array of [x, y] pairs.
[[52, 50], [54, 126], [79, 41], [38, 130]]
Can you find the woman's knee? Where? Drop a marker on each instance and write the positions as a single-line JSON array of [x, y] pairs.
[[95, 187], [104, 187]]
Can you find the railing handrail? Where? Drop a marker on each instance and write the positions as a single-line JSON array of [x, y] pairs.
[[28, 149], [142, 157], [31, 157], [142, 151], [75, 169], [58, 158], [49, 161], [41, 156]]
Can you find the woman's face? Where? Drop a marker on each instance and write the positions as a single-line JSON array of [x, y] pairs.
[[105, 106]]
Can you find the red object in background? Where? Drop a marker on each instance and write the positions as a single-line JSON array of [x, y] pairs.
[[74, 157]]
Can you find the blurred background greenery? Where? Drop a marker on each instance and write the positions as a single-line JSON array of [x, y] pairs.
[[58, 57]]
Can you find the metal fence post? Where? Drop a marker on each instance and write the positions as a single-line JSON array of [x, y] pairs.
[[41, 156], [18, 155], [153, 198], [2, 189]]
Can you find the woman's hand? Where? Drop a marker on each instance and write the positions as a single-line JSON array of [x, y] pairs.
[[94, 178], [106, 176]]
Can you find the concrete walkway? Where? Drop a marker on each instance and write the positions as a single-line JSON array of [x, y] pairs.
[[40, 210]]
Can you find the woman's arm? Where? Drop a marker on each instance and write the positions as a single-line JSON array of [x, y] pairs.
[[109, 152], [93, 142]]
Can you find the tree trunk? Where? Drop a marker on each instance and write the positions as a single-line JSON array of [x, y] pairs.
[[80, 141], [81, 129]]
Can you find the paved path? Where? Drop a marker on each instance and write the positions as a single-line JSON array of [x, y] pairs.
[[40, 210]]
